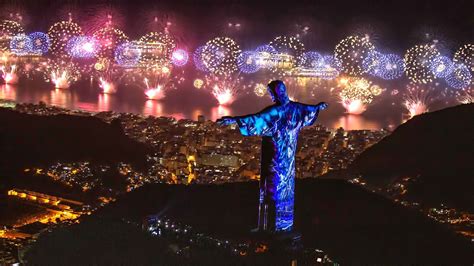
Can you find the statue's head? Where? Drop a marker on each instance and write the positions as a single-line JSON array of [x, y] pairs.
[[277, 90]]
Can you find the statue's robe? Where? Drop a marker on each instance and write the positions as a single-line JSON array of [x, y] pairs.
[[278, 125]]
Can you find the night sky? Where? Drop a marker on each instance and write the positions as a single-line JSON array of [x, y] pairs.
[[395, 25]]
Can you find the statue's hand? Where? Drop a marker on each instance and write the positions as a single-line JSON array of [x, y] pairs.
[[322, 105], [225, 121]]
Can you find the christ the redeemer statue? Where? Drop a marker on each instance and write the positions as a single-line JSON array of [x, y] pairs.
[[279, 125]]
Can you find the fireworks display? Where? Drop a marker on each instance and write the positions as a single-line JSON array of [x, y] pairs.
[[260, 89], [391, 67], [418, 63], [466, 96], [351, 52], [268, 49], [310, 59], [161, 47], [225, 89], [372, 63], [179, 57], [62, 73], [109, 38], [149, 62], [197, 59], [9, 74], [59, 35], [460, 77], [39, 43], [442, 66], [108, 76], [220, 56], [356, 94], [416, 99], [329, 67], [82, 47], [8, 29], [198, 83], [288, 45], [20, 45], [128, 54], [247, 62], [465, 55], [157, 81]]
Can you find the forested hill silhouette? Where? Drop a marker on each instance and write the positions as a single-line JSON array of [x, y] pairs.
[[351, 224], [435, 149], [27, 140]]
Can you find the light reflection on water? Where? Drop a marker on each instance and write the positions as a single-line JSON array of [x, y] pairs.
[[185, 105]]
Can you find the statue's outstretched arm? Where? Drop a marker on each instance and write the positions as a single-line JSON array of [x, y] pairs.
[[311, 112], [258, 124]]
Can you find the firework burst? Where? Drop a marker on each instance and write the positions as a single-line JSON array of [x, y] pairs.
[[21, 45], [417, 98], [179, 57], [247, 62], [128, 54], [161, 47], [460, 77], [465, 96], [109, 38], [157, 81], [40, 43], [225, 89], [59, 35], [465, 55], [62, 73], [356, 94], [109, 77], [8, 29], [351, 52], [442, 66], [288, 45], [391, 67], [220, 56], [82, 47], [260, 89], [9, 74], [418, 61]]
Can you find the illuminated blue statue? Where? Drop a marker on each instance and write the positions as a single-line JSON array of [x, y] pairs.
[[279, 125]]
